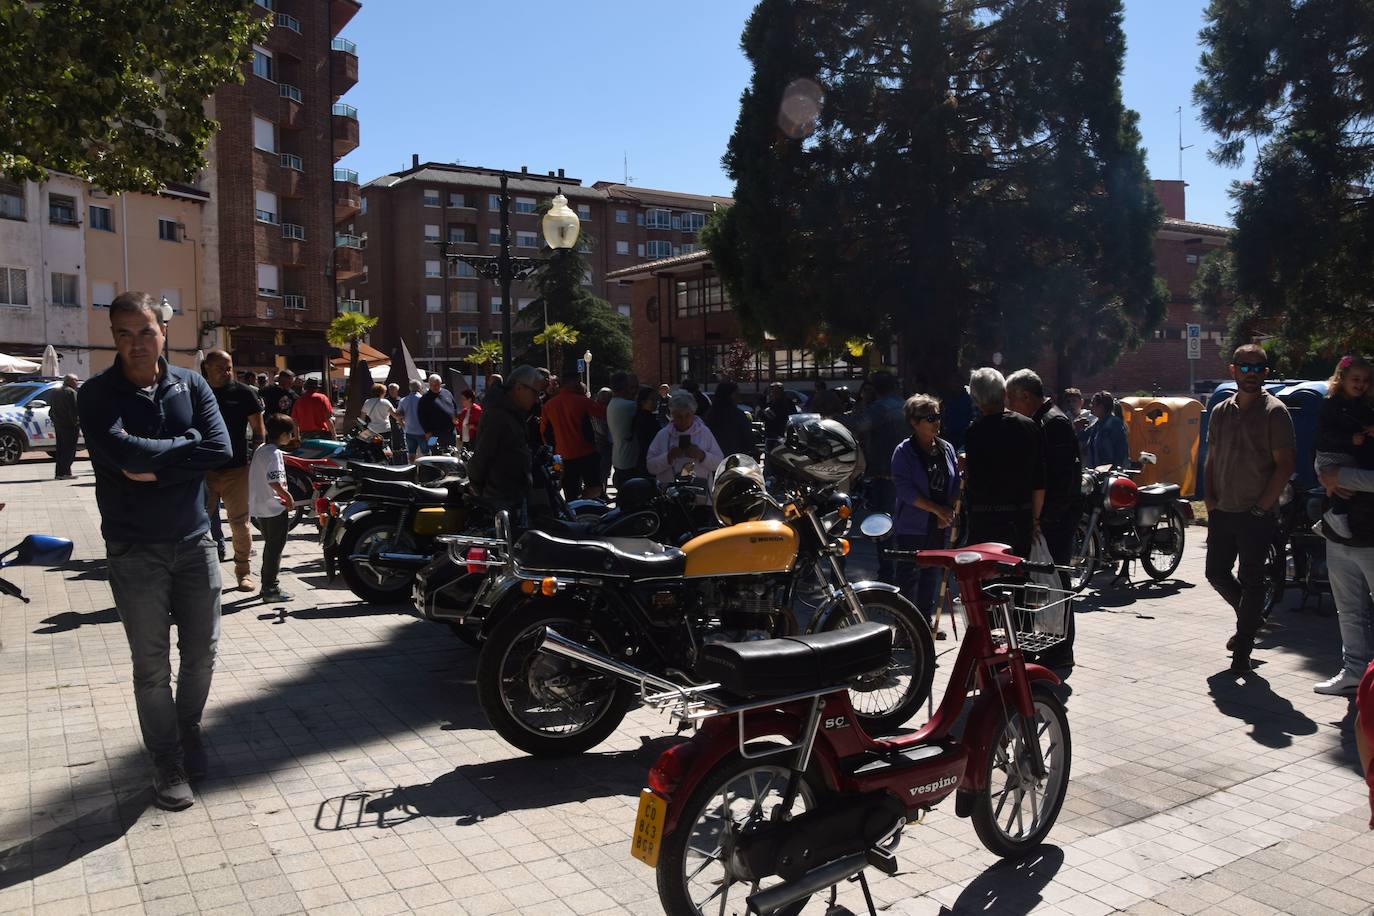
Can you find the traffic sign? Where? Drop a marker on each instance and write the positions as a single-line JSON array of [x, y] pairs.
[[581, 366], [1194, 338]]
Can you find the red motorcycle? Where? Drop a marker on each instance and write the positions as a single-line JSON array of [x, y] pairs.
[[735, 820]]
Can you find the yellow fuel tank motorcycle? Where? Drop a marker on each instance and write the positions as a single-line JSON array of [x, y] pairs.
[[655, 606]]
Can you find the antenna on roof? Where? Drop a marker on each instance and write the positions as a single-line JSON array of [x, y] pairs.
[[1181, 147], [628, 177]]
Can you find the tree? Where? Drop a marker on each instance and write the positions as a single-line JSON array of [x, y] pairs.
[[486, 353], [960, 175], [1300, 76], [346, 330], [738, 364], [113, 91], [599, 328], [554, 338]]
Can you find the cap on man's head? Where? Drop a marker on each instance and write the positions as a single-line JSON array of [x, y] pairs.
[[312, 383]]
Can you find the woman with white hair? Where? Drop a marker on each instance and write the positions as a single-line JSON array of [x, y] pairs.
[[685, 439], [1005, 468]]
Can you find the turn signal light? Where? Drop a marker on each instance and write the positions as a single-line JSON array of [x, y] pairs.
[[477, 557], [845, 511], [670, 768], [548, 586], [529, 586], [844, 547]]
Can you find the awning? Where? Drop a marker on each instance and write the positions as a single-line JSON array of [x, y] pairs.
[[366, 351]]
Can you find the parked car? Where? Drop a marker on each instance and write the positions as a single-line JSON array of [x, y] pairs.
[[24, 423]]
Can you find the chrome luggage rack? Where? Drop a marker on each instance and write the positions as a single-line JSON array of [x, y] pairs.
[[1040, 614]]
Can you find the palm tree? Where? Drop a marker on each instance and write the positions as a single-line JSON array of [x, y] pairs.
[[485, 353], [347, 329], [556, 336]]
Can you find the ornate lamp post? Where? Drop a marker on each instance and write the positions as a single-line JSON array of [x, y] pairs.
[[561, 227], [587, 361]]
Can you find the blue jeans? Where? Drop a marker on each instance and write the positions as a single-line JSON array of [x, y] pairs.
[[919, 584], [1351, 571], [155, 586], [415, 443]]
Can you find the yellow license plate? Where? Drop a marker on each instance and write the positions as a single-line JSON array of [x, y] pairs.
[[648, 828]]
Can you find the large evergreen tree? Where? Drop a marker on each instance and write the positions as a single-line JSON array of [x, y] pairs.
[[1299, 75], [970, 181], [599, 327]]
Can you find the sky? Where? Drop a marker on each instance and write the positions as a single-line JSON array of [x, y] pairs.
[[586, 87]]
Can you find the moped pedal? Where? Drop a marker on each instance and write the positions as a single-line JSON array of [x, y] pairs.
[[882, 860]]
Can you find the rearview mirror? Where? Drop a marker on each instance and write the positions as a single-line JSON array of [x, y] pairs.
[[876, 526], [1148, 458], [41, 550]]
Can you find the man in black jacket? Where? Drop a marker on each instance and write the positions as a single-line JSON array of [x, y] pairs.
[[499, 471], [153, 430]]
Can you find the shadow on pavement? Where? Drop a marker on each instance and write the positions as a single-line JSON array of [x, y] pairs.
[[1248, 697], [1011, 887], [73, 839], [96, 569], [71, 620], [1108, 599], [332, 612]]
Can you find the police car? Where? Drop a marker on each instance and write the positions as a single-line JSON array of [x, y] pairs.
[[24, 423]]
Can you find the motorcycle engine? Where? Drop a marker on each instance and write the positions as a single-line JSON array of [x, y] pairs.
[[740, 611]]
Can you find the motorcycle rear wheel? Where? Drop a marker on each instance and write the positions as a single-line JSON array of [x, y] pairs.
[[522, 689], [881, 700], [1007, 780], [1087, 556], [1158, 564], [694, 868], [389, 589]]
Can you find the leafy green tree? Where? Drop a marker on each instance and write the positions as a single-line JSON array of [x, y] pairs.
[[599, 327], [961, 174], [346, 330], [554, 338], [486, 353], [113, 91], [1298, 75]]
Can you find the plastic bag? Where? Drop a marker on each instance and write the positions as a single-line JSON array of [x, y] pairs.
[[1040, 553], [1045, 597]]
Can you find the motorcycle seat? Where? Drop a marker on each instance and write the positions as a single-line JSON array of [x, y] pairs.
[[399, 491], [618, 558], [796, 664], [366, 470], [1157, 494]]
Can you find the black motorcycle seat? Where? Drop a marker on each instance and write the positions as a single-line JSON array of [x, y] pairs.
[[366, 470], [796, 664], [1157, 494], [618, 558], [399, 491]]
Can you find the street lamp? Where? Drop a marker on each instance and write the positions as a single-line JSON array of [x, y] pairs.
[[443, 246], [587, 361], [561, 227], [166, 312]]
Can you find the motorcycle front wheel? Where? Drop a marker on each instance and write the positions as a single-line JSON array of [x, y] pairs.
[[696, 871], [1087, 556], [886, 699], [376, 585], [1163, 548], [1014, 810], [545, 704]]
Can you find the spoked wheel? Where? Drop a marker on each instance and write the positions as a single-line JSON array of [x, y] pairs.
[[546, 704], [885, 699], [376, 584], [1087, 556], [1275, 579], [1164, 550], [698, 873], [1014, 810]]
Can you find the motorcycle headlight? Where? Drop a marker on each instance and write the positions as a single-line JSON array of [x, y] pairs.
[[1088, 484]]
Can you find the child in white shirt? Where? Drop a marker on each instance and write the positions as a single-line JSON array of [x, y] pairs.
[[269, 500]]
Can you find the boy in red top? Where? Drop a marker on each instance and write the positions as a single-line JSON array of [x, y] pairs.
[[568, 414], [313, 413]]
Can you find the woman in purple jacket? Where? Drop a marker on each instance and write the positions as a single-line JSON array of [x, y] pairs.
[[925, 472]]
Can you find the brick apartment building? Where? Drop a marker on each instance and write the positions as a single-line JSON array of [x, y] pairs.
[[683, 325], [403, 215], [276, 196]]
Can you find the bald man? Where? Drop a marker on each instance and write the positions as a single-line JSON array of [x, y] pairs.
[[241, 409]]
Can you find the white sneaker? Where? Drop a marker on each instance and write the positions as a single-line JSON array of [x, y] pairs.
[[1343, 684]]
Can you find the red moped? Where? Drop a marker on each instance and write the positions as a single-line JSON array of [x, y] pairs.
[[780, 795]]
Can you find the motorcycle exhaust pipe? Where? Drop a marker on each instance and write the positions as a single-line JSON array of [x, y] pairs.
[[765, 903], [558, 644], [393, 560]]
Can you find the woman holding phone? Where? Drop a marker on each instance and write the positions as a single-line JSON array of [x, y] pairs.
[[684, 440]]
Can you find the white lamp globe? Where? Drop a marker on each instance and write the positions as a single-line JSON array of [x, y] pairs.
[[561, 225]]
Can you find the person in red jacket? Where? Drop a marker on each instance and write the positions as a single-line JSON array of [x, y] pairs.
[[468, 417], [313, 412], [568, 414]]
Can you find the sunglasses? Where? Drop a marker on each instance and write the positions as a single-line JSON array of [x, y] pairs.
[[1252, 368], [930, 418]]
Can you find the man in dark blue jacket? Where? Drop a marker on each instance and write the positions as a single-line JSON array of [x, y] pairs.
[[153, 430]]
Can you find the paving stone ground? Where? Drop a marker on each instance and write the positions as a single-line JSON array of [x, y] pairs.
[[352, 770]]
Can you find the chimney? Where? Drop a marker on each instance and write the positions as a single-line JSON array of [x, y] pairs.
[[550, 173], [414, 160], [1171, 197], [524, 170], [560, 173]]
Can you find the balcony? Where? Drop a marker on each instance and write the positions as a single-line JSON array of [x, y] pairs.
[[292, 112], [348, 263], [293, 303], [346, 130], [345, 194], [343, 66], [289, 22], [341, 12], [350, 305]]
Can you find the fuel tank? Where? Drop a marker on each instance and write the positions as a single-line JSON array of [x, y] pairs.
[[743, 549]]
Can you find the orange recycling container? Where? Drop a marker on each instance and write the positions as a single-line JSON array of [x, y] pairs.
[[1171, 429]]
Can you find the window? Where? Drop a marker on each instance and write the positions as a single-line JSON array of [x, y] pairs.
[[688, 248], [493, 202], [458, 200], [64, 289], [1192, 259], [14, 286], [658, 219], [526, 240], [659, 248], [693, 222], [584, 211], [493, 236], [434, 339], [11, 200], [296, 303], [431, 197], [262, 63], [266, 4], [264, 134], [101, 219], [362, 204], [173, 297], [62, 209], [639, 218], [432, 269], [431, 232], [463, 300], [496, 305], [264, 208], [639, 249], [434, 303], [167, 228], [462, 269], [267, 280], [525, 205], [292, 161], [698, 296], [457, 234], [622, 217], [465, 335], [102, 293], [622, 247], [623, 310]]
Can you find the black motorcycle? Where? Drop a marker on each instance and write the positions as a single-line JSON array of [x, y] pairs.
[[1297, 558], [1123, 522]]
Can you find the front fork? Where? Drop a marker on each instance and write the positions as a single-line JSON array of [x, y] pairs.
[[846, 591], [1021, 694]]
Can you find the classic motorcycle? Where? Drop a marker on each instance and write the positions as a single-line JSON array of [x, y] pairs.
[[1125, 522], [660, 606], [1297, 558], [360, 444], [735, 810]]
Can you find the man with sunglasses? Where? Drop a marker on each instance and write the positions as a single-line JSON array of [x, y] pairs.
[[499, 471], [1250, 456]]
